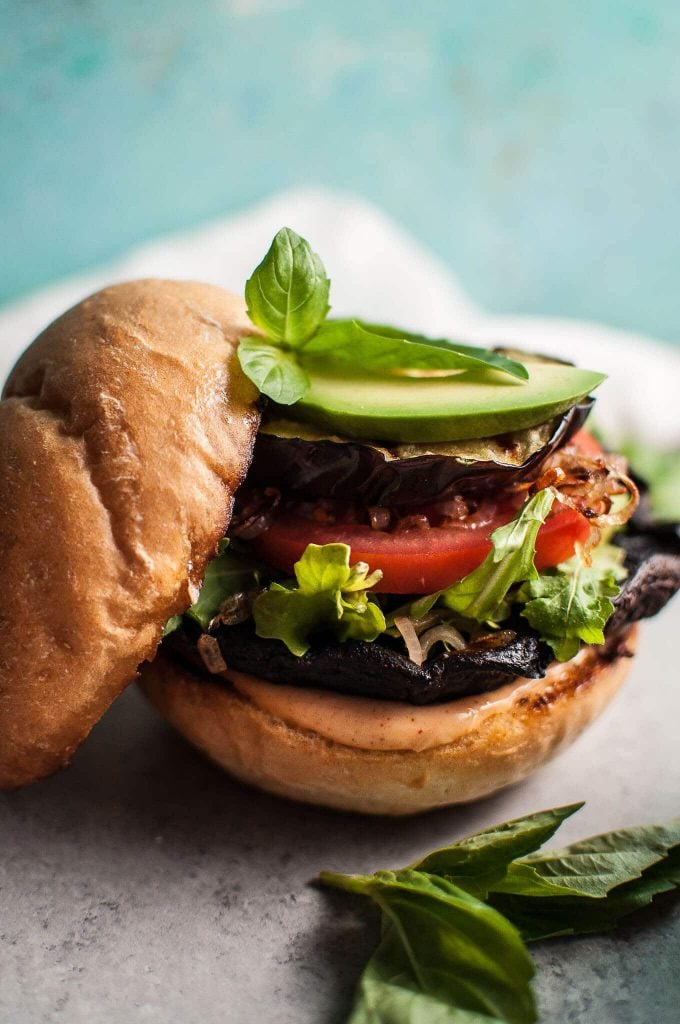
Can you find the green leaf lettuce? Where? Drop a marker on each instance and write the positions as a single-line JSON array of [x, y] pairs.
[[327, 594]]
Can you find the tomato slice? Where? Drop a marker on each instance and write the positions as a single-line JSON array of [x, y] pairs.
[[415, 561], [586, 443], [422, 561]]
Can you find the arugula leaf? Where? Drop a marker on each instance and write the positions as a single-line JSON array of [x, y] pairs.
[[327, 593], [378, 348], [274, 371], [572, 602], [287, 295], [227, 574], [444, 944], [480, 861], [482, 594]]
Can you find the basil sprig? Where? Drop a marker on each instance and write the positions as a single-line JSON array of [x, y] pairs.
[[287, 299], [454, 923], [287, 295], [389, 349]]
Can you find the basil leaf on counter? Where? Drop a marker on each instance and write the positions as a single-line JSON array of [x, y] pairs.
[[572, 603], [287, 295], [442, 958], [660, 470], [595, 866], [274, 371], [327, 593], [377, 348], [479, 861], [444, 944], [227, 574], [541, 918], [482, 594], [592, 885]]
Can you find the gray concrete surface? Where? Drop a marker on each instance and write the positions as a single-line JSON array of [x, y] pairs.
[[142, 885]]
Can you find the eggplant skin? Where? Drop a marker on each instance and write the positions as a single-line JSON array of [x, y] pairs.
[[359, 471]]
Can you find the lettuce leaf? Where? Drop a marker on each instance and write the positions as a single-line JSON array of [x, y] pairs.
[[229, 573], [482, 595], [572, 603], [327, 594]]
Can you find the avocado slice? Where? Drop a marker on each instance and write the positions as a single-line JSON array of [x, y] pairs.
[[438, 408]]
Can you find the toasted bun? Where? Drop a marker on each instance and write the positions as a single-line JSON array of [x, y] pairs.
[[384, 757], [125, 429]]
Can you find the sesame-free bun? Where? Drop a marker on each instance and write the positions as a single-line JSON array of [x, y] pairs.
[[385, 757], [125, 429]]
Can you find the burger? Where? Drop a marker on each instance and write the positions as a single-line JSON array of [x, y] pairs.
[[354, 565]]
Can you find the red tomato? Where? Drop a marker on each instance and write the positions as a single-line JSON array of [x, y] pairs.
[[415, 561], [586, 443]]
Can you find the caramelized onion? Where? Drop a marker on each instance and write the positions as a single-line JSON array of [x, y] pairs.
[[589, 485], [210, 652], [410, 638], [446, 634]]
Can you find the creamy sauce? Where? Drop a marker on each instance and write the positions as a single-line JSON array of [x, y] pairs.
[[369, 724]]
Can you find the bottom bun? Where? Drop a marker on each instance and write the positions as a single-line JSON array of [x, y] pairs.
[[386, 757]]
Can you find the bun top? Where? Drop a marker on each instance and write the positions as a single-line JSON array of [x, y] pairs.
[[125, 430]]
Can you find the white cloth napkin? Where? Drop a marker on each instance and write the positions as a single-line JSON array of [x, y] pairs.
[[380, 272]]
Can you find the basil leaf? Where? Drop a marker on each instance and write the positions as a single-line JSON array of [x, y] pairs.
[[380, 349], [442, 958], [572, 603], [545, 918], [227, 574], [594, 866], [388, 992], [327, 594], [482, 594], [447, 945], [480, 861], [591, 885], [274, 371], [287, 295]]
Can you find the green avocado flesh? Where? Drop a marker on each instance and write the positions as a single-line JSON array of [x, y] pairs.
[[465, 405]]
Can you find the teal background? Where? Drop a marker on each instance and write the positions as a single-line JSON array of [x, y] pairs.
[[534, 146]]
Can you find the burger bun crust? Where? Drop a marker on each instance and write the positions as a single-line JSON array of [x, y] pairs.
[[125, 429]]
